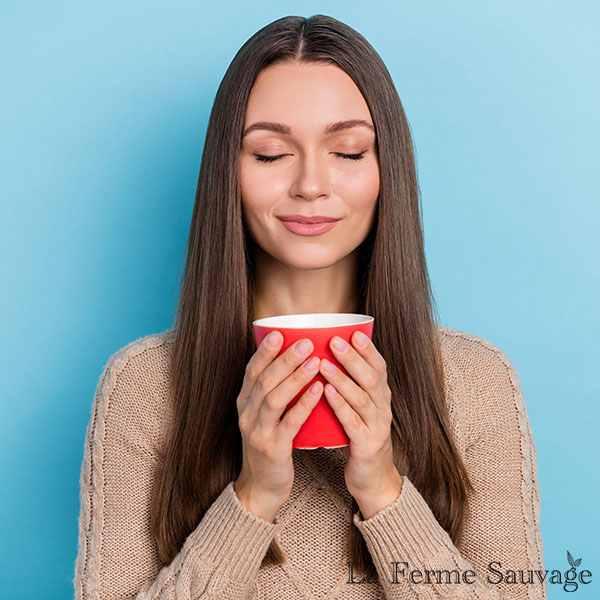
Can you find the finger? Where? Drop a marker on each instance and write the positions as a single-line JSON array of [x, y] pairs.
[[297, 415], [277, 399], [275, 372], [366, 348], [358, 398], [353, 425], [368, 378], [265, 354]]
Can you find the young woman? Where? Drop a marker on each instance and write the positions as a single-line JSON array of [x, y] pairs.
[[190, 487]]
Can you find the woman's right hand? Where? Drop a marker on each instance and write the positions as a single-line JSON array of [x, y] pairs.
[[270, 384]]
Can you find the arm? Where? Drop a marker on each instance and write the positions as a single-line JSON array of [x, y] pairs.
[[117, 556], [503, 515]]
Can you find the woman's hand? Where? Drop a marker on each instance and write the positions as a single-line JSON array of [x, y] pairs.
[[270, 383], [362, 405]]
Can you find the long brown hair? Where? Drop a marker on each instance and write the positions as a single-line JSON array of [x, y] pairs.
[[213, 335]]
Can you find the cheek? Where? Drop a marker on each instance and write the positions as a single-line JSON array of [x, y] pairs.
[[259, 188], [248, 184], [361, 192], [253, 194], [371, 181]]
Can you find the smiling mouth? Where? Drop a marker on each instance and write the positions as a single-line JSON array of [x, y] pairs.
[[308, 220], [308, 229]]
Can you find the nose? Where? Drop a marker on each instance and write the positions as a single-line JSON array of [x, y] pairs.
[[312, 177]]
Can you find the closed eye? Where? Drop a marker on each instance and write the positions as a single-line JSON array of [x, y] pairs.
[[270, 159], [357, 156]]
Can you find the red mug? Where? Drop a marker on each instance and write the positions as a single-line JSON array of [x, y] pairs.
[[322, 428]]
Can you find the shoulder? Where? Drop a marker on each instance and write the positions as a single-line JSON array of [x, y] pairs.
[[133, 393], [470, 354], [481, 382], [149, 354]]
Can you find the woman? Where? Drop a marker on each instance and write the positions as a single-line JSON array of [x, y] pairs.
[[190, 487]]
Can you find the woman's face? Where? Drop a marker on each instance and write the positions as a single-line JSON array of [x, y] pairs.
[[308, 149]]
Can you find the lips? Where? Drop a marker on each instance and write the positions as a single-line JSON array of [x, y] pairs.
[[309, 228], [307, 219]]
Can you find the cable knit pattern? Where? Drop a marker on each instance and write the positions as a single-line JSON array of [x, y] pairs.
[[221, 559]]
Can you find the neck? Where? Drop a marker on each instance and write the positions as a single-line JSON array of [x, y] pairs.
[[283, 290]]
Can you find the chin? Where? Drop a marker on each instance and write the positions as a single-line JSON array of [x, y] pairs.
[[303, 259]]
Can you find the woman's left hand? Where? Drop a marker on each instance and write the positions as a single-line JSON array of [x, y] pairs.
[[362, 405]]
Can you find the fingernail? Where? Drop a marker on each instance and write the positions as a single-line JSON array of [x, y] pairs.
[[315, 388], [328, 366], [339, 344], [360, 338], [302, 347], [311, 364], [273, 339]]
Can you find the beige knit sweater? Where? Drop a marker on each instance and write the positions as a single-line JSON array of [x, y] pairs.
[[221, 558]]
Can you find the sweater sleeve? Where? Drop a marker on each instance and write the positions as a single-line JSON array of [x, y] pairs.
[[117, 555], [501, 531]]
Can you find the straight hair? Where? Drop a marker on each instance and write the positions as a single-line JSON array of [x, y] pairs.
[[213, 338]]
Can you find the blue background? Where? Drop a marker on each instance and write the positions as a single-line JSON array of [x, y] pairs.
[[104, 109]]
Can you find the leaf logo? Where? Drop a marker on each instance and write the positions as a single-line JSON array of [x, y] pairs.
[[572, 562]]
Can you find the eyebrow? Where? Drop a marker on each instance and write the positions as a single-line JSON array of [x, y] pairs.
[[329, 129]]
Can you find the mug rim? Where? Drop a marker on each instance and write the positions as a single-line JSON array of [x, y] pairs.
[[278, 321]]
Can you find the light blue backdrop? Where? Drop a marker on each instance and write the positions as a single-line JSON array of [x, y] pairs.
[[104, 108]]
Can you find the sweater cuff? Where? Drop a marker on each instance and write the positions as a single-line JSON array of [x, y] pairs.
[[407, 531], [232, 539]]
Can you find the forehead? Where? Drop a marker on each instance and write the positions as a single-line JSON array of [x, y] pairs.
[[305, 96]]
